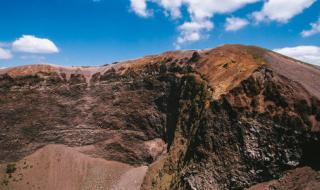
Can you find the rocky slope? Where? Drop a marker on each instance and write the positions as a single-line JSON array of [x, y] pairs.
[[232, 117]]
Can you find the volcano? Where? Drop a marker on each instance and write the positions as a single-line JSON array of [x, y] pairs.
[[232, 117]]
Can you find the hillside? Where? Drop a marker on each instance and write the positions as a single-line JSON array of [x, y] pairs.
[[232, 117]]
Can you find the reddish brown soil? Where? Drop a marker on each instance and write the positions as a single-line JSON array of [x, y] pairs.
[[225, 67], [59, 167]]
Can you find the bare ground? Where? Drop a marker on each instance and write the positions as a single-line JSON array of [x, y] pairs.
[[60, 167]]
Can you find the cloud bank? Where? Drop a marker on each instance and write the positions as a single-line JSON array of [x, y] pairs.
[[308, 54], [200, 13]]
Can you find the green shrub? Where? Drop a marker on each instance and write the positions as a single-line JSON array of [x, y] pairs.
[[11, 168]]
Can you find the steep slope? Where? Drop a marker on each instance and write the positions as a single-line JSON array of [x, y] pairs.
[[224, 118], [57, 167]]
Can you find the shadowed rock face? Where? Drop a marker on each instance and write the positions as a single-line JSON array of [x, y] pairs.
[[225, 118]]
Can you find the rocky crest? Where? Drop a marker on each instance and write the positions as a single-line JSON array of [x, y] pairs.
[[232, 117]]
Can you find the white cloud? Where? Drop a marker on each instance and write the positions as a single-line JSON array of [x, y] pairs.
[[315, 28], [140, 7], [234, 23], [5, 54], [32, 44], [200, 13], [192, 31], [309, 54], [200, 9], [171, 7], [281, 10]]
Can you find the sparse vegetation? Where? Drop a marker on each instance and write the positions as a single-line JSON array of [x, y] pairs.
[[11, 168], [5, 182]]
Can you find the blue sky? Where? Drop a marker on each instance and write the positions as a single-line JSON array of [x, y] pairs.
[[93, 32]]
